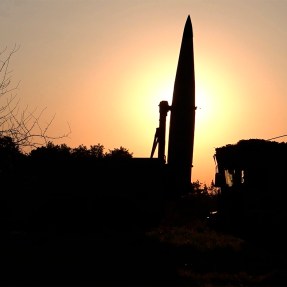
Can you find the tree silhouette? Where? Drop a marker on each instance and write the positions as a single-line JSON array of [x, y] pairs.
[[119, 153], [97, 151], [23, 126], [54, 151], [9, 154], [51, 151]]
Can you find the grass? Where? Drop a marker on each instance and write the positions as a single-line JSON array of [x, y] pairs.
[[203, 256], [181, 250]]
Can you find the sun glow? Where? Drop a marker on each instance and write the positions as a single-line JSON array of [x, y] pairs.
[[165, 91], [202, 103]]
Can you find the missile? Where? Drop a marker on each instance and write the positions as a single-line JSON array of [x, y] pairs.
[[182, 116]]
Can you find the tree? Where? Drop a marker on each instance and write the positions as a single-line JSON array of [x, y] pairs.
[[9, 154], [51, 151], [97, 151], [119, 153], [201, 188], [24, 127], [80, 152]]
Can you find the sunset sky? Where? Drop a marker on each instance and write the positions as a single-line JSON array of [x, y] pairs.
[[103, 66]]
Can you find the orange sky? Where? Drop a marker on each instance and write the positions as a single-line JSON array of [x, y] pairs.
[[103, 66]]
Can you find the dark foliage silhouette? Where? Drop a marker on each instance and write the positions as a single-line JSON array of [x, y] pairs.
[[9, 153], [119, 153], [102, 201]]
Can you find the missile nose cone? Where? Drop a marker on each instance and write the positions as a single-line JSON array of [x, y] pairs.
[[188, 33]]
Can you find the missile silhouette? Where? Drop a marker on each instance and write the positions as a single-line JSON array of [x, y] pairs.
[[182, 117]]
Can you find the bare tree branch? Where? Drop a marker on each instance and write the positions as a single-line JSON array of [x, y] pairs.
[[23, 126]]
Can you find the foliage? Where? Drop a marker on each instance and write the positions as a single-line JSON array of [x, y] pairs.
[[7, 145], [51, 151], [119, 153], [81, 152], [196, 235], [201, 188], [9, 153], [95, 151]]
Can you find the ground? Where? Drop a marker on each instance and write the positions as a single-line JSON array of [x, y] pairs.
[[181, 250]]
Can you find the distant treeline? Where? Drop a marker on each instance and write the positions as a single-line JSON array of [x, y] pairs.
[[9, 150], [56, 183]]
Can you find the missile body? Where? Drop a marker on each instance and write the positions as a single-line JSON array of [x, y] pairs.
[[182, 117]]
